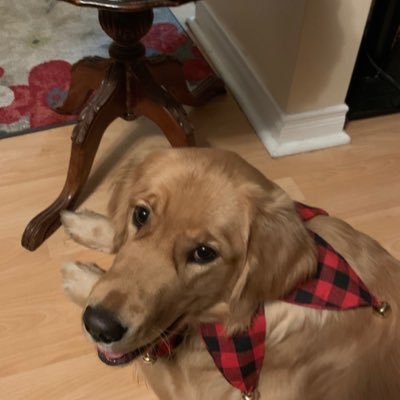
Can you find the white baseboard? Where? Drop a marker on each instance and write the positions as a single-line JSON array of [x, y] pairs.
[[281, 133], [183, 13]]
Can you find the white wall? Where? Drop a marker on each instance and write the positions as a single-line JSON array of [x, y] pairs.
[[288, 63], [330, 39], [267, 32], [302, 50]]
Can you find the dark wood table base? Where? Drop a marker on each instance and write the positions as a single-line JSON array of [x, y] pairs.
[[127, 85]]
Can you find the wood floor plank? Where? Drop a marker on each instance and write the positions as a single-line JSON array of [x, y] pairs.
[[81, 378]]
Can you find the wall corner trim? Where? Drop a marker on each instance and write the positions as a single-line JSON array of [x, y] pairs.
[[281, 133]]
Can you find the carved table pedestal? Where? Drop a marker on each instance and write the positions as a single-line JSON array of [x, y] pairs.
[[127, 85]]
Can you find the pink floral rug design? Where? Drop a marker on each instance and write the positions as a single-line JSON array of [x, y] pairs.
[[35, 64]]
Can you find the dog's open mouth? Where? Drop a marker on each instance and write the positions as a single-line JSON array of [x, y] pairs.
[[115, 358]]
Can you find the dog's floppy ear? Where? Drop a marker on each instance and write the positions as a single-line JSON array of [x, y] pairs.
[[280, 252]]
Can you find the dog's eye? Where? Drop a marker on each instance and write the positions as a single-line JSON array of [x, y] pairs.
[[202, 255], [140, 216]]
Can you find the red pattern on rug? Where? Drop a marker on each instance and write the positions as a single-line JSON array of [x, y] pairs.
[[47, 87], [48, 82]]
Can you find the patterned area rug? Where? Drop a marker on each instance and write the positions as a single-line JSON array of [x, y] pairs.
[[40, 39]]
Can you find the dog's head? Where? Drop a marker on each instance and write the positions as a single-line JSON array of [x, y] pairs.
[[199, 236]]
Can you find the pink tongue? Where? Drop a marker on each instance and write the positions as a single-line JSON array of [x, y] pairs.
[[111, 355]]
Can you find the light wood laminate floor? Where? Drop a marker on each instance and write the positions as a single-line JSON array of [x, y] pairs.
[[43, 354]]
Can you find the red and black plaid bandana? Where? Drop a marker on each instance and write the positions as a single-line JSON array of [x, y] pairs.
[[239, 357], [335, 287]]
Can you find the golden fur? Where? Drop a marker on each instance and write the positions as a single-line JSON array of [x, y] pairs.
[[214, 197]]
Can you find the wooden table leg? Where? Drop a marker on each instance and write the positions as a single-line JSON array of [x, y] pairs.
[[107, 104], [173, 122], [155, 103], [168, 72], [86, 76]]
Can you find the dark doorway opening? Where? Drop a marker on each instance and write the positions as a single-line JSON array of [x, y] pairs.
[[375, 84]]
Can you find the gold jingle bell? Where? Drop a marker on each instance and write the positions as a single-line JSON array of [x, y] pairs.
[[250, 396], [383, 309], [149, 359]]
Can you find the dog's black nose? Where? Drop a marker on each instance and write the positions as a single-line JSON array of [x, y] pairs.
[[102, 325]]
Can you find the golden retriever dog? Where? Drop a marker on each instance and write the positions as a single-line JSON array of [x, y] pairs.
[[200, 236]]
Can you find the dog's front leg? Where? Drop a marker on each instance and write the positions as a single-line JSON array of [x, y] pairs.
[[79, 280], [89, 229]]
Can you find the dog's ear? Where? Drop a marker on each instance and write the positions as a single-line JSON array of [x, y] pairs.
[[89, 229], [79, 280], [280, 252]]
